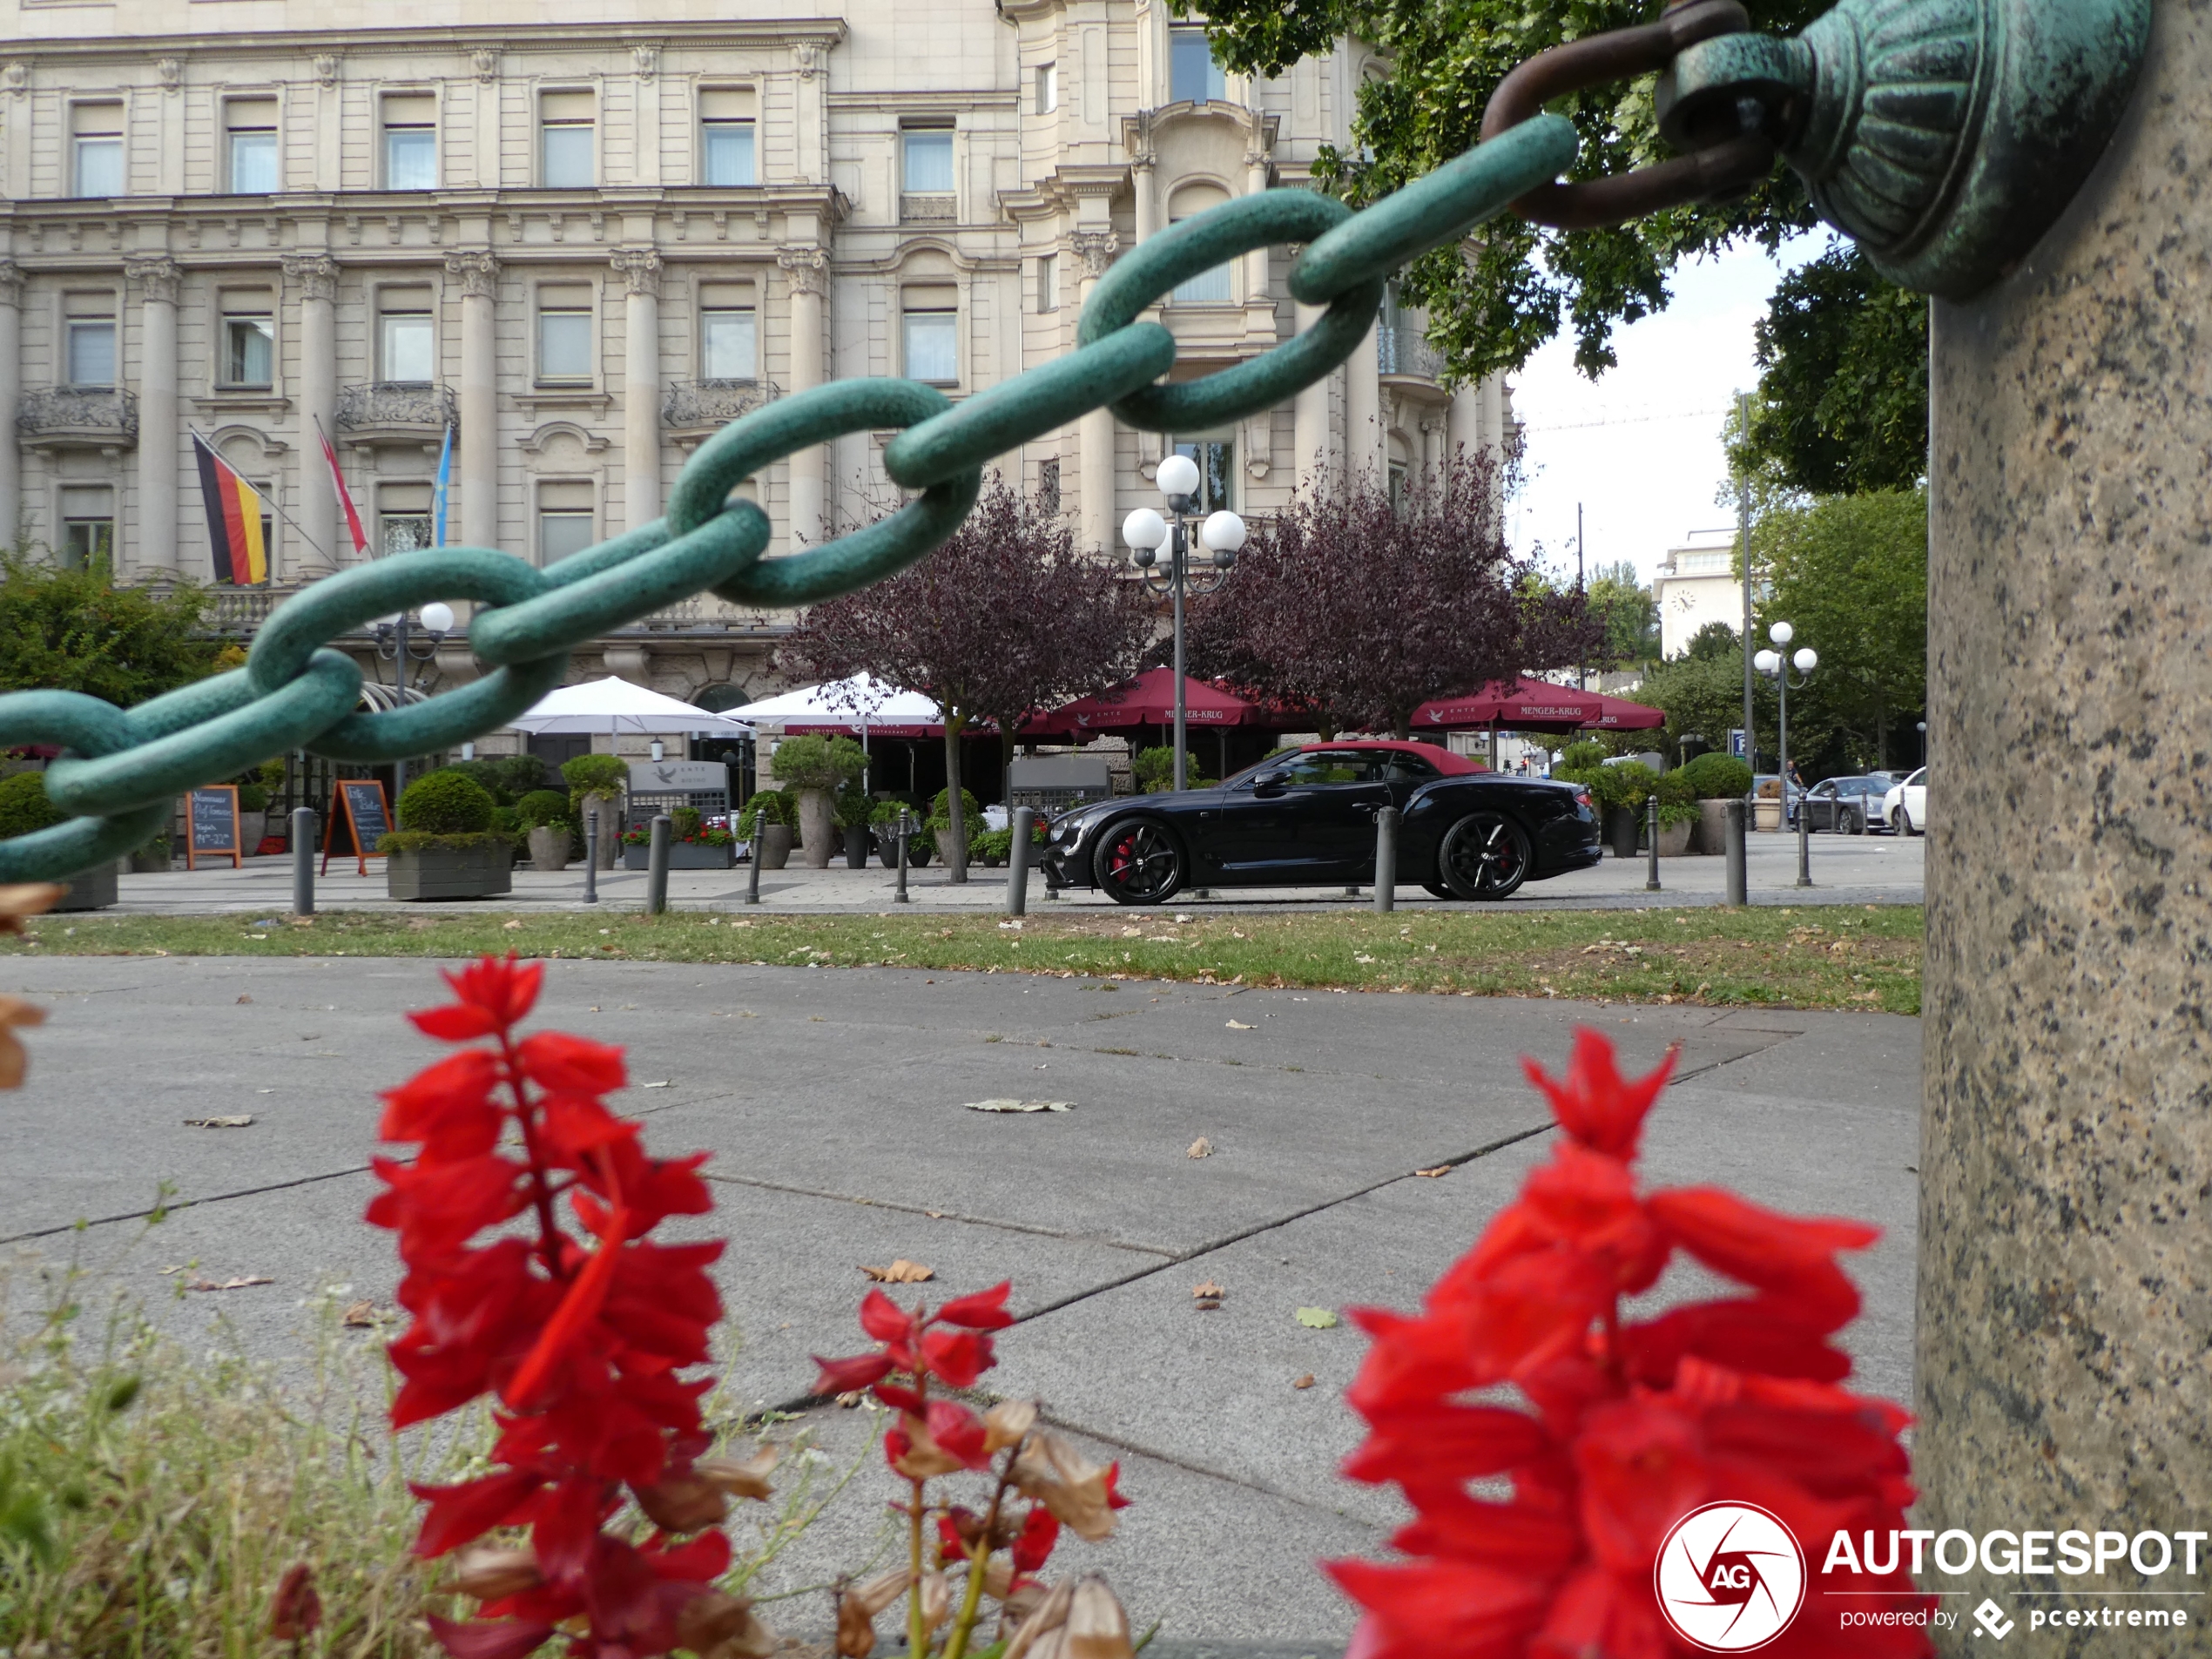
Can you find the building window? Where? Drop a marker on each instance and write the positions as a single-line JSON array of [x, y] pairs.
[[1209, 287], [564, 141], [1047, 282], [249, 341], [932, 335], [88, 325], [928, 160], [1048, 88], [729, 335], [564, 334], [565, 524], [1216, 470], [410, 141], [726, 154], [88, 525], [1193, 76], [250, 127], [403, 518], [96, 150], [406, 337]]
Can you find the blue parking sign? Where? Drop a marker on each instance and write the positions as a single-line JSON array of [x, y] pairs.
[[1736, 741]]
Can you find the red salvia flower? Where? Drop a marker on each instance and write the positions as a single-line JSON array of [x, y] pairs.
[[1630, 1425], [579, 1334]]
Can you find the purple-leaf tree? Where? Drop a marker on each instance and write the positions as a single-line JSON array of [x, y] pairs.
[[1360, 609], [1001, 622]]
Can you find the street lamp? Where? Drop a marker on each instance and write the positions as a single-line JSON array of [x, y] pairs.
[[395, 645], [1772, 663], [1146, 532]]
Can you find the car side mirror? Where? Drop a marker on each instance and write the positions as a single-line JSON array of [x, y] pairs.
[[1272, 782]]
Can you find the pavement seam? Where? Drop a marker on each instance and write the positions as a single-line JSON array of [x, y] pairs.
[[936, 1215], [1206, 1472], [182, 1204]]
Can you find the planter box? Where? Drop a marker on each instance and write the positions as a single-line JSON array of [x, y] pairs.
[[773, 846], [549, 848], [682, 855], [145, 863], [1712, 827], [1766, 814], [458, 873], [1674, 840], [1623, 829], [92, 889]]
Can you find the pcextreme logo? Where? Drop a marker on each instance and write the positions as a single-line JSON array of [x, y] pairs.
[[1730, 1577]]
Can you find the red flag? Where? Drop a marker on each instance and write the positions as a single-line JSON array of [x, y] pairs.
[[345, 500]]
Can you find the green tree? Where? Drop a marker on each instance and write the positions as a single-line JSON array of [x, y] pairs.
[[1629, 615], [75, 630]]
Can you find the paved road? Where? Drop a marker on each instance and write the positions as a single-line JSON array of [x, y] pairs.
[[1846, 869], [833, 1103]]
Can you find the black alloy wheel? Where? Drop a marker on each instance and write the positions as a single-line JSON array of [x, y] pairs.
[[1138, 862], [1484, 856]]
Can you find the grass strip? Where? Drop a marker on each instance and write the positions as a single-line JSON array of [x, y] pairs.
[[1826, 957]]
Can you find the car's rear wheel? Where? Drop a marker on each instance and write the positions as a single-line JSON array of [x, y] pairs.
[[1852, 824], [1905, 823], [1138, 862], [1484, 856]]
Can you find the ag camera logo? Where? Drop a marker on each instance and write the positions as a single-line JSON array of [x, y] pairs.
[[1730, 1577]]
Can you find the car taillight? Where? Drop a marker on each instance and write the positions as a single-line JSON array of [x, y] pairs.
[[1582, 799]]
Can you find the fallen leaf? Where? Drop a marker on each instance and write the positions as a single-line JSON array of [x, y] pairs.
[[1317, 1318], [934, 1215], [1238, 1025], [230, 1283], [1363, 959], [511, 925], [901, 1272], [663, 1083], [1012, 1105], [1208, 1289], [360, 1316], [238, 1121], [1440, 1169], [1207, 1304], [1306, 1381], [244, 998], [1201, 1148], [851, 1398]]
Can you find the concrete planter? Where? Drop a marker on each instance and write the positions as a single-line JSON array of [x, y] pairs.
[[772, 845], [1624, 827], [450, 872], [856, 847], [550, 847], [154, 860], [1766, 814], [815, 829], [251, 827], [1712, 827], [610, 829], [1674, 838], [682, 855], [92, 889]]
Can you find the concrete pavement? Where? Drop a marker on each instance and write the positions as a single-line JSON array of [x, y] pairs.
[[833, 1101], [1846, 869]]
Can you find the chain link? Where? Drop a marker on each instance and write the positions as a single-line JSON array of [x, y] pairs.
[[124, 768]]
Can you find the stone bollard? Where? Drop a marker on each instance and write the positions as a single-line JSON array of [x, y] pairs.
[[1386, 859], [657, 865], [303, 860], [2066, 1261], [1018, 861], [1739, 878]]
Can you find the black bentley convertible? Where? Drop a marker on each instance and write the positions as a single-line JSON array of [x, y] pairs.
[[1306, 818]]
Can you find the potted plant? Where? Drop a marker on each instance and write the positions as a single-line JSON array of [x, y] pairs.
[[549, 827], [766, 826], [814, 768], [855, 812], [445, 846], [252, 816], [1766, 808], [24, 809], [152, 859], [595, 783], [883, 820], [694, 843], [1715, 780], [938, 828]]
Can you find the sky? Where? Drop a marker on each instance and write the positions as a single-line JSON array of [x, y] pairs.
[[1640, 448]]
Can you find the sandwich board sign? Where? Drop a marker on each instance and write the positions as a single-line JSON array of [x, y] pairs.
[[360, 811]]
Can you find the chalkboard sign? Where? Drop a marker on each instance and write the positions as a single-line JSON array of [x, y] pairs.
[[360, 811], [213, 829]]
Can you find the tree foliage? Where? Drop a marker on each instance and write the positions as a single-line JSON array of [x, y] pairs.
[[1625, 608], [1359, 610], [1842, 400], [75, 630], [1001, 622]]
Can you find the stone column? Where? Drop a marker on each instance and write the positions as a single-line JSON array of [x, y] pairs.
[[641, 386], [1262, 325], [11, 522], [806, 269], [1145, 181], [478, 275], [1463, 421], [2066, 1258], [1097, 531], [317, 277], [157, 278], [1309, 415], [1366, 449]]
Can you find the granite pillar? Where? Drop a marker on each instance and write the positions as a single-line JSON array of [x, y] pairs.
[[2066, 1250], [158, 278], [478, 275], [12, 517], [807, 271], [1096, 532], [317, 277], [640, 387]]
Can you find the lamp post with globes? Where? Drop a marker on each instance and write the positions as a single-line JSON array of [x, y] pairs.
[[396, 644], [1775, 664], [1147, 532]]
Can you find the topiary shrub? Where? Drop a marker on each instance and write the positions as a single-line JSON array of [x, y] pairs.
[[596, 774], [1718, 777], [1154, 771], [24, 806], [1584, 751], [446, 803], [253, 798], [768, 806], [810, 761], [541, 807], [854, 806]]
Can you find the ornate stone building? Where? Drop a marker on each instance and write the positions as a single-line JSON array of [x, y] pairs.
[[584, 245]]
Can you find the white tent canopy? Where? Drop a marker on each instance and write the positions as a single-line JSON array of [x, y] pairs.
[[614, 705], [863, 702]]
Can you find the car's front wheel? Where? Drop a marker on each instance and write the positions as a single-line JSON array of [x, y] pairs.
[[1851, 824], [1905, 823], [1485, 856], [1437, 889], [1138, 862]]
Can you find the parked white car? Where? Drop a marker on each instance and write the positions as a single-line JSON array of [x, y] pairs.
[[1906, 805]]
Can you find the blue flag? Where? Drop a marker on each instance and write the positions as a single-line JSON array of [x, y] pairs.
[[438, 499]]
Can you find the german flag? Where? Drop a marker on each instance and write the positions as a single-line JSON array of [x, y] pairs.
[[235, 509]]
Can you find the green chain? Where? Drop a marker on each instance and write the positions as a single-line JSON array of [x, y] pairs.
[[124, 767]]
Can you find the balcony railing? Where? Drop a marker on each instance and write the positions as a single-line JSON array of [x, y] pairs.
[[931, 209], [712, 403], [402, 407], [1402, 351], [107, 416]]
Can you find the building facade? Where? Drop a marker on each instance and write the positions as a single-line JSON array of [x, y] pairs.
[[1696, 584], [582, 247]]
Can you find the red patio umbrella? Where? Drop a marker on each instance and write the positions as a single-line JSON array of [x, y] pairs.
[[1516, 705], [1148, 701], [1620, 715]]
